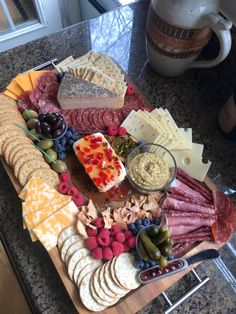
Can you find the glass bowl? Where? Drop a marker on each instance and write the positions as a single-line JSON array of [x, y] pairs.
[[162, 170], [59, 137]]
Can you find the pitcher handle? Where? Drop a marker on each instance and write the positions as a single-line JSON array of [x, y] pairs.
[[221, 27]]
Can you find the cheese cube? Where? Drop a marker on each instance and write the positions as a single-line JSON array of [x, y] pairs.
[[100, 161]]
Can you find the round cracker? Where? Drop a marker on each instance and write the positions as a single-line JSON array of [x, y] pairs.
[[125, 271], [28, 167], [65, 234], [112, 270], [103, 283], [87, 269], [10, 110], [72, 249], [48, 176], [86, 295], [7, 100], [10, 143], [20, 150], [80, 265], [75, 259], [110, 282], [71, 240], [8, 133], [24, 159], [97, 292]]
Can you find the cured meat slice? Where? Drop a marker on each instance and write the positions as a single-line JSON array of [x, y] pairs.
[[180, 249], [100, 119], [189, 221], [195, 238], [185, 178], [171, 203], [108, 118], [177, 230], [184, 190], [190, 200], [222, 231], [179, 213]]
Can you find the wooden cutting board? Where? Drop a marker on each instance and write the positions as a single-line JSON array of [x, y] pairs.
[[136, 299]]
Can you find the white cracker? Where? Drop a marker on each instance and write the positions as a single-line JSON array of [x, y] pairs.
[[66, 233], [72, 249], [104, 284], [68, 242], [75, 258], [80, 265], [111, 284], [87, 269], [86, 296]]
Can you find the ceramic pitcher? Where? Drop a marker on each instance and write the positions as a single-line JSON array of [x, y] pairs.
[[177, 31]]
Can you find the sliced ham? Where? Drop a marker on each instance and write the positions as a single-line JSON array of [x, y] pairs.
[[178, 230], [189, 221], [187, 191], [172, 203]]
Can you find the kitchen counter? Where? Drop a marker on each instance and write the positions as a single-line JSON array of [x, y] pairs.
[[194, 100]]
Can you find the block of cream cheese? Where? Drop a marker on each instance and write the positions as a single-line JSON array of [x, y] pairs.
[[100, 161], [76, 93]]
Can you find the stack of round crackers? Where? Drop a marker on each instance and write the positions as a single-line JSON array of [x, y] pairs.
[[18, 150], [100, 285]]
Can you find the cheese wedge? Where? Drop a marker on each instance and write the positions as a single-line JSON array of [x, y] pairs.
[[48, 231], [23, 80]]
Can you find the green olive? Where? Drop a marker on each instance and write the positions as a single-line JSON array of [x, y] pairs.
[[52, 154], [31, 123], [60, 166], [29, 114], [33, 132], [163, 229], [45, 144], [162, 261]]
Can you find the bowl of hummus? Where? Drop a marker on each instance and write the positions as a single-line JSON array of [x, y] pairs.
[[150, 168]]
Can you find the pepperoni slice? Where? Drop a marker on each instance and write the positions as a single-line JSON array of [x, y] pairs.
[[108, 118]]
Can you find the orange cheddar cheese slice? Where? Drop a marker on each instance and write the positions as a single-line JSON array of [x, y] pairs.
[[23, 80], [14, 88], [10, 94], [34, 76], [47, 231]]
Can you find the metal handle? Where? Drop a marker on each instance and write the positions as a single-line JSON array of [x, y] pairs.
[[172, 306]]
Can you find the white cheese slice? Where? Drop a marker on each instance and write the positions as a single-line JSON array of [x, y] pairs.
[[140, 129], [187, 134], [192, 164], [197, 149]]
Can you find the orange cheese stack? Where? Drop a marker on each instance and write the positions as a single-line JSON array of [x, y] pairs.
[[25, 82], [46, 212]]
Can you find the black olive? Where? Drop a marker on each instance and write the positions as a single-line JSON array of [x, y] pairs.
[[38, 127], [56, 114], [47, 135], [57, 133], [63, 127], [42, 116], [57, 125], [51, 119], [46, 128]]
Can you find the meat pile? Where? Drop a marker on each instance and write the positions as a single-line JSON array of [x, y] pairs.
[[44, 98], [194, 213]]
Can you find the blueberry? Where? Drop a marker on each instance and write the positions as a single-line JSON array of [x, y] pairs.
[[68, 148], [135, 232], [138, 222], [146, 265], [156, 221], [69, 134], [139, 263], [71, 142], [62, 156], [146, 222], [57, 148], [139, 227], [72, 130], [57, 142], [75, 137], [63, 141], [131, 227], [152, 263]]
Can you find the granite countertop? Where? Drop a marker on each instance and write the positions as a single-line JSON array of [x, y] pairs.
[[194, 100]]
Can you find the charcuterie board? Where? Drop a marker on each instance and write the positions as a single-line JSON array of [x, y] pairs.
[[136, 299]]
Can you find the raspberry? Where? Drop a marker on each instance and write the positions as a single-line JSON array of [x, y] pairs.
[[116, 229], [99, 223], [65, 177], [78, 199], [128, 234], [104, 231], [91, 232], [126, 247], [122, 131], [131, 242], [117, 248], [63, 188], [120, 237], [112, 130], [107, 253], [91, 243], [103, 239], [72, 191], [97, 253], [130, 90]]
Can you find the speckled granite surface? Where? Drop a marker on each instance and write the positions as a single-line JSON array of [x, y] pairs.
[[194, 99]]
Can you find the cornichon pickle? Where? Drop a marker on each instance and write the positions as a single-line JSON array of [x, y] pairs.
[[163, 229], [162, 261], [161, 237], [166, 250], [168, 241], [142, 251], [153, 231], [152, 250]]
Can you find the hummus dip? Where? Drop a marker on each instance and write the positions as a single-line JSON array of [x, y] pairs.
[[149, 171]]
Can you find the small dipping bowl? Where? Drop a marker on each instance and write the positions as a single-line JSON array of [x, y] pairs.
[[160, 152], [56, 138]]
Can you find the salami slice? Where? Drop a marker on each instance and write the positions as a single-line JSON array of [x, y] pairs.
[[100, 121], [96, 121], [177, 230], [196, 238], [190, 200], [180, 249], [193, 214], [222, 230], [116, 120], [189, 221], [90, 119], [108, 118]]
